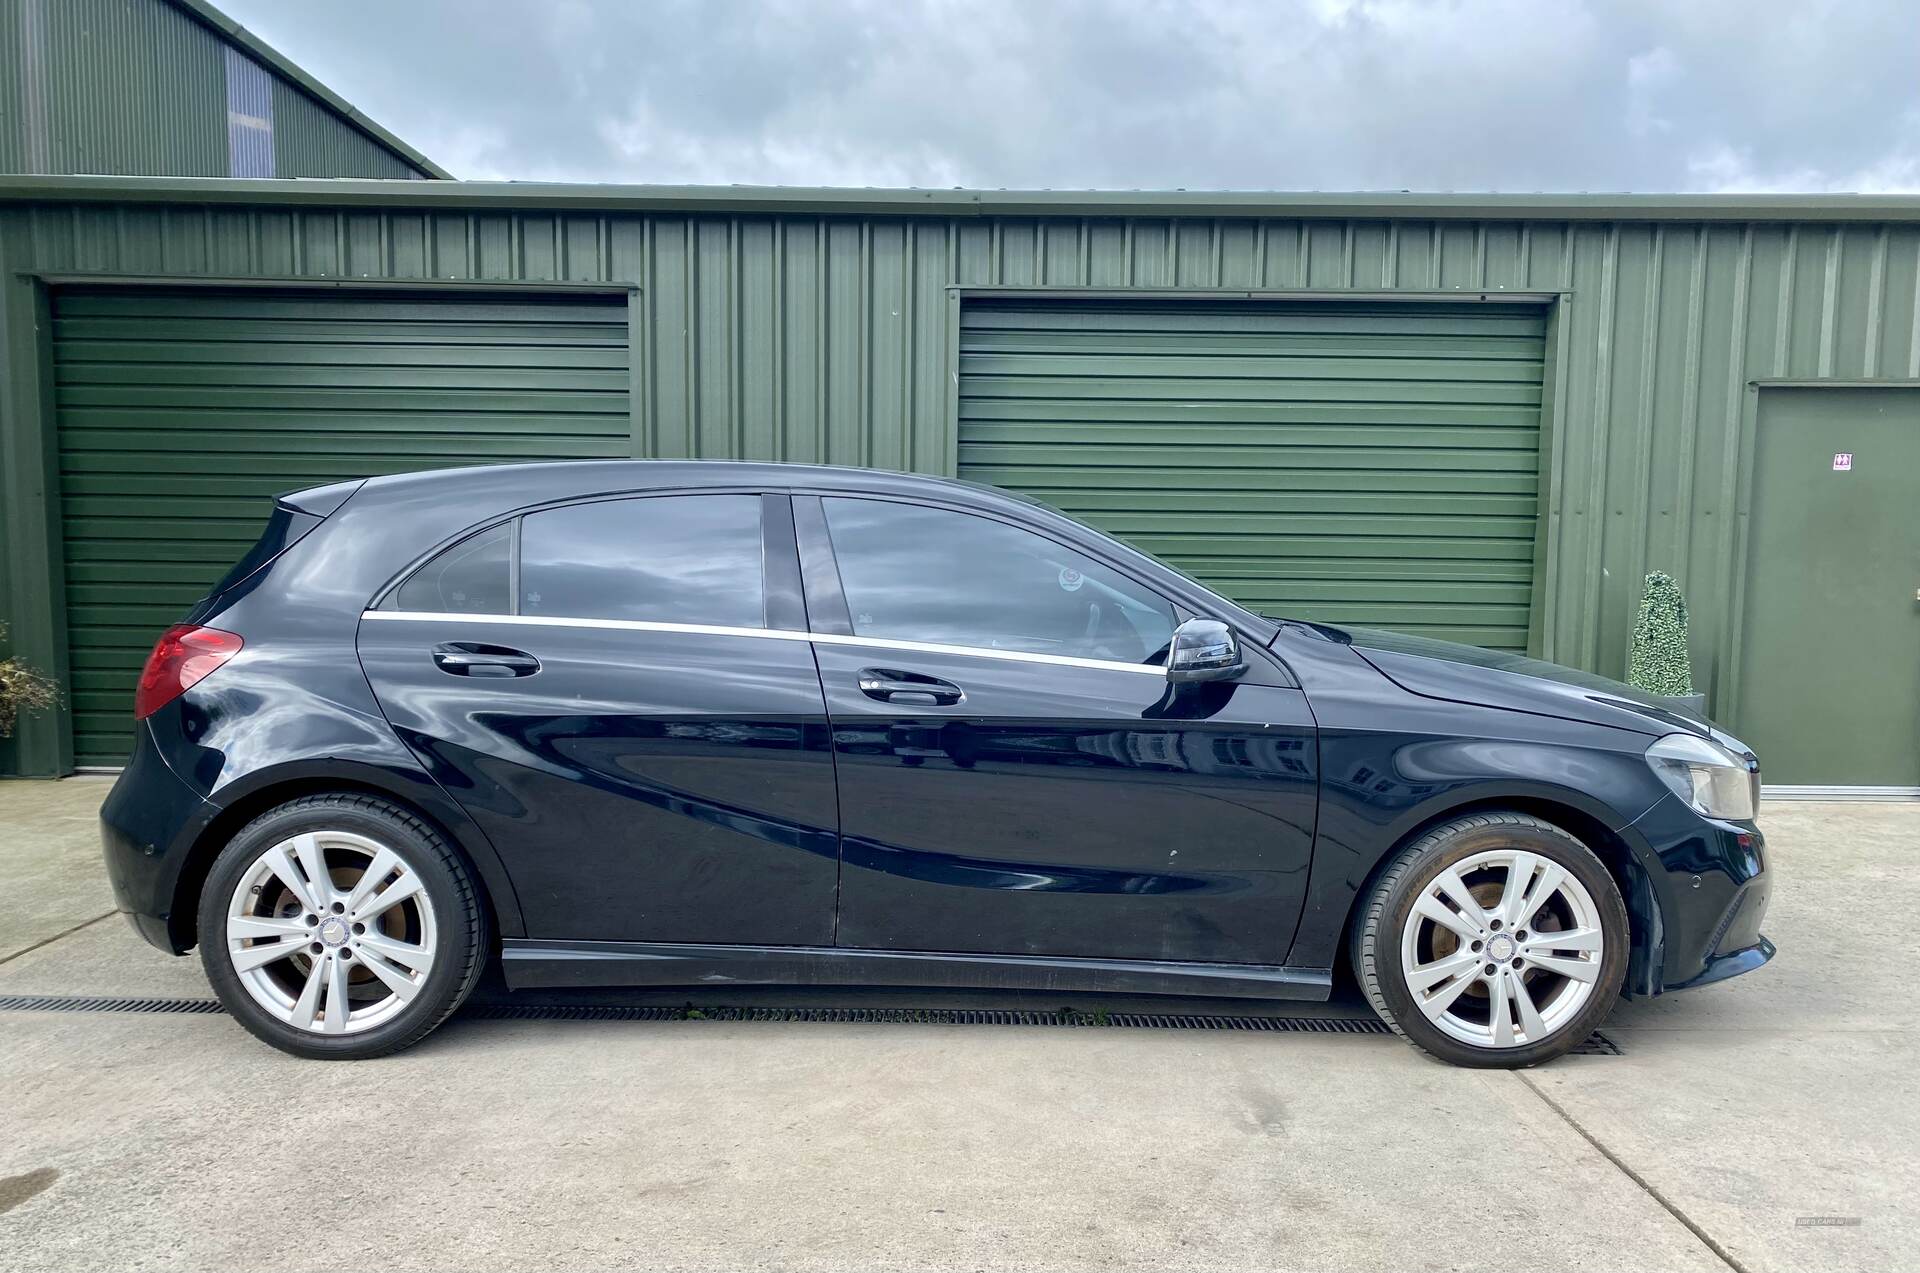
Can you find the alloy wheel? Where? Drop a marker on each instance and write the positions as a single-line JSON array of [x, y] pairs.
[[331, 932], [1502, 949]]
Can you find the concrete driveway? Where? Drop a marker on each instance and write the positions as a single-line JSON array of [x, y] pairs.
[[1770, 1123]]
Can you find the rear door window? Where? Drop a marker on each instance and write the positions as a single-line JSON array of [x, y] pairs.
[[692, 559]]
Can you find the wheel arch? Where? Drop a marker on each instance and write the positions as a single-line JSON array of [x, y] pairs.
[[1645, 930], [425, 802]]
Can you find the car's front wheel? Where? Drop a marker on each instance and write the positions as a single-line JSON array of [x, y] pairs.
[[1496, 940], [340, 927]]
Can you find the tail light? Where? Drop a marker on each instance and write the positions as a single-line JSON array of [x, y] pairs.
[[184, 656]]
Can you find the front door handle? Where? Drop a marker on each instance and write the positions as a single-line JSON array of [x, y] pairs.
[[890, 686], [472, 658]]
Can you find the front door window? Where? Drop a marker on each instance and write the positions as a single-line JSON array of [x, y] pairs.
[[913, 573]]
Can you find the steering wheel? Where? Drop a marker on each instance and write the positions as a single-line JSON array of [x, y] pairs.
[[1095, 644]]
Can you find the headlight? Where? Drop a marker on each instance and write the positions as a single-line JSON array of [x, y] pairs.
[[1711, 779]]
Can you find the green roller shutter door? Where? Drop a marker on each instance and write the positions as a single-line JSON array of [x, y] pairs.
[[1363, 464], [181, 413]]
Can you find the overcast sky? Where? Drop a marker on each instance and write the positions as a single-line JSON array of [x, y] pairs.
[[1510, 95]]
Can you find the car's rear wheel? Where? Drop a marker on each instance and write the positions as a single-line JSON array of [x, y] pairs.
[[340, 927], [1496, 940]]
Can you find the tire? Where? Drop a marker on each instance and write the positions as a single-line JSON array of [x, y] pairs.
[[407, 948], [1442, 976]]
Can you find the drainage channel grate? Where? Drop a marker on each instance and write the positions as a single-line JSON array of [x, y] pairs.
[[1596, 1045], [927, 1016], [103, 1003]]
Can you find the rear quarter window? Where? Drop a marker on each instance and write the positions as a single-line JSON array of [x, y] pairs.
[[473, 576]]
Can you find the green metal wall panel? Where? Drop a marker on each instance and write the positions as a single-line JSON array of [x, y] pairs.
[[181, 414], [833, 338], [117, 86], [30, 586], [310, 141], [22, 137], [1370, 464], [139, 87]]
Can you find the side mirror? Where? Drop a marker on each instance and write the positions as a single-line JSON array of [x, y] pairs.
[[1203, 650]]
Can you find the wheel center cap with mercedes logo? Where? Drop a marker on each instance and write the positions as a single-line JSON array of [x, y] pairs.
[[1500, 949], [334, 932]]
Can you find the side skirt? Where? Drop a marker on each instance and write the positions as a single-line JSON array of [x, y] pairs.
[[530, 964]]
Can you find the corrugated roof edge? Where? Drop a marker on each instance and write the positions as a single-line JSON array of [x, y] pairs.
[[227, 29], [357, 192]]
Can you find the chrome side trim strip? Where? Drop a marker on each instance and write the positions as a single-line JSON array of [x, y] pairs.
[[555, 621], [1774, 791], [768, 634], [1017, 656]]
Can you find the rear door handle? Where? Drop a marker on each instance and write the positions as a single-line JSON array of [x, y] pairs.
[[472, 658], [890, 686]]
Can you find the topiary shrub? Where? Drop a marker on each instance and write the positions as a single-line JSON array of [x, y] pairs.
[[22, 689], [1659, 663]]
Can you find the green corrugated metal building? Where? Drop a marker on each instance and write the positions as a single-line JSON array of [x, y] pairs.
[[1482, 418], [172, 88]]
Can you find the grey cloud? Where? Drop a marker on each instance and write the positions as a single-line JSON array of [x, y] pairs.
[[1516, 95]]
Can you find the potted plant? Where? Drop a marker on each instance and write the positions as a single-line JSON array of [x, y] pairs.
[[22, 689], [1659, 662]]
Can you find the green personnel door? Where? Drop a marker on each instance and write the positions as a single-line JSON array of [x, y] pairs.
[[1362, 464], [1829, 680], [181, 413]]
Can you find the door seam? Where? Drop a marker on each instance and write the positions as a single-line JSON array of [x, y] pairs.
[[839, 818]]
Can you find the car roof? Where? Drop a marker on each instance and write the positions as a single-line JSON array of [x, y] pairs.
[[557, 479], [561, 480]]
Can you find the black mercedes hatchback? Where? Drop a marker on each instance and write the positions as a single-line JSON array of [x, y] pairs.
[[661, 723]]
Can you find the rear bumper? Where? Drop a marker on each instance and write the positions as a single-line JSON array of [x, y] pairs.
[[146, 826]]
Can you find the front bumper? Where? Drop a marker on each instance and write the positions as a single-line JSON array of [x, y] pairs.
[[1706, 895], [146, 824], [1731, 964]]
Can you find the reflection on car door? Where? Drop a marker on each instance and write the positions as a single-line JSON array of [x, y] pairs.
[[586, 681], [1015, 776]]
